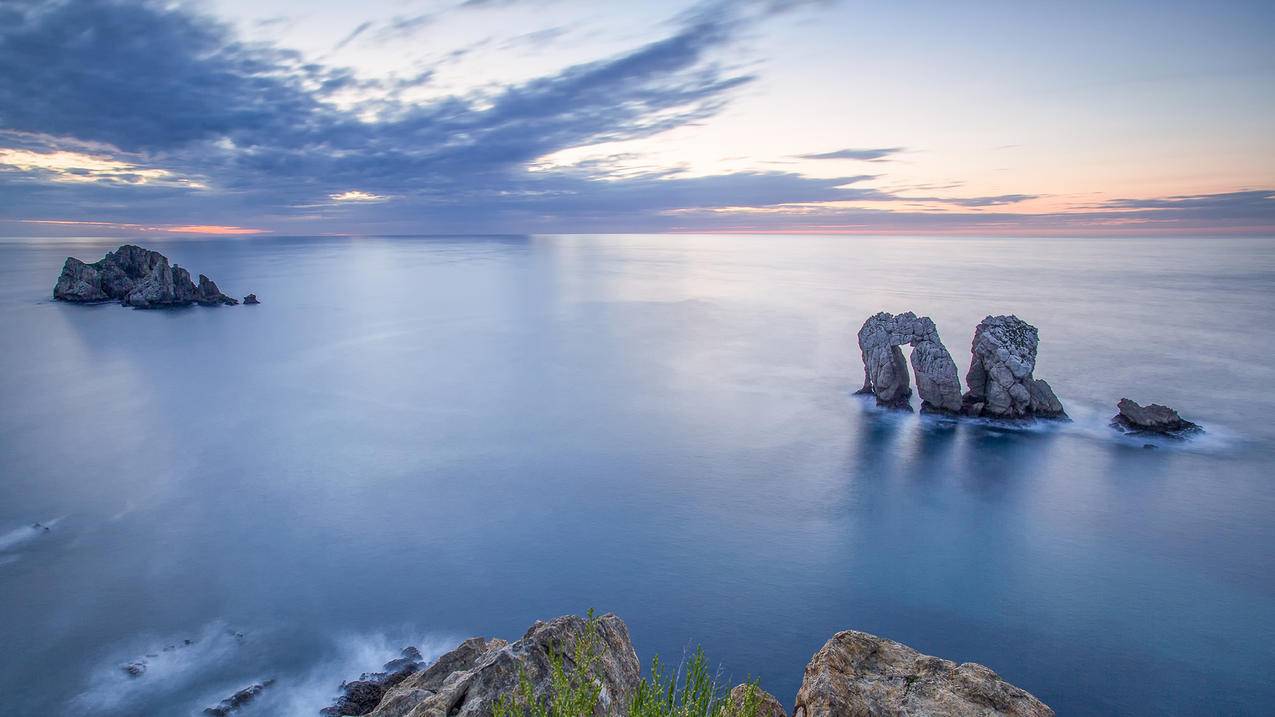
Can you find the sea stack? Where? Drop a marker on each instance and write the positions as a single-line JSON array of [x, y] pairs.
[[135, 277], [886, 373], [1000, 378]]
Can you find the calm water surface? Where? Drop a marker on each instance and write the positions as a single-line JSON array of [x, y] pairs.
[[419, 440]]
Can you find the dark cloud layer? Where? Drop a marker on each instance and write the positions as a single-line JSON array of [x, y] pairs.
[[249, 133]]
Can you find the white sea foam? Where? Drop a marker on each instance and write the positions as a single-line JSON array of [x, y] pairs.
[[171, 667], [220, 662], [25, 534], [1094, 423], [352, 655]]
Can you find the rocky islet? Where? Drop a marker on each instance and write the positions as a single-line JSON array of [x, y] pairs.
[[136, 277]]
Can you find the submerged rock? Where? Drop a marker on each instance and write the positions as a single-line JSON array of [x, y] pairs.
[[1000, 378], [860, 674], [135, 277], [886, 373], [1135, 419], [470, 679], [237, 700], [250, 299]]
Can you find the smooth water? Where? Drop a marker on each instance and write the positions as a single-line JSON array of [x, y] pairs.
[[422, 439]]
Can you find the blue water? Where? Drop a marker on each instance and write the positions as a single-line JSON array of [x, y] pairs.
[[422, 439]]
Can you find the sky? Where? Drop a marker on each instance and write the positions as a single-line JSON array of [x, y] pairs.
[[243, 117]]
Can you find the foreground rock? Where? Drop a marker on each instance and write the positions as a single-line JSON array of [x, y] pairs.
[[468, 681], [886, 373], [135, 277], [754, 702], [854, 674], [1136, 419], [1000, 378], [860, 675], [237, 700]]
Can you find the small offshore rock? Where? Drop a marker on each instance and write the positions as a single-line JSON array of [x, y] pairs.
[[208, 294], [250, 299], [136, 668], [856, 673], [1136, 419], [135, 277], [237, 700]]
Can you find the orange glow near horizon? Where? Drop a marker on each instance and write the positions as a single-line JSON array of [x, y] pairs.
[[214, 229]]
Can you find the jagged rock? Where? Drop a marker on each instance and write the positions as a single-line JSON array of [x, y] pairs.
[[1136, 419], [208, 294], [885, 371], [79, 282], [237, 700], [468, 681], [414, 690], [860, 675], [250, 299], [135, 277], [1000, 378], [766, 704]]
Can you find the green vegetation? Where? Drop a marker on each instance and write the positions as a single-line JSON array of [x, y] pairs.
[[575, 693], [698, 696]]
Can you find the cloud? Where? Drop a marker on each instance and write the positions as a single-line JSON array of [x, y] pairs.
[[1260, 200], [866, 155], [179, 90], [400, 26], [355, 195], [143, 113], [362, 28]]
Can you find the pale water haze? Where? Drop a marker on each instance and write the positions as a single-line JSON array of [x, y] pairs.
[[416, 440]]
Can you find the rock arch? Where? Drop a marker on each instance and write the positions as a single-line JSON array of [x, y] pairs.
[[1001, 385], [885, 373]]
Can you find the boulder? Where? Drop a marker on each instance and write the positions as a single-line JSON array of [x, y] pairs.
[[135, 277], [860, 675], [468, 681], [886, 373], [1136, 419], [1000, 378], [762, 702], [250, 299]]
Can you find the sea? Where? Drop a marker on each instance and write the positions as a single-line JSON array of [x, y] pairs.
[[414, 440]]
